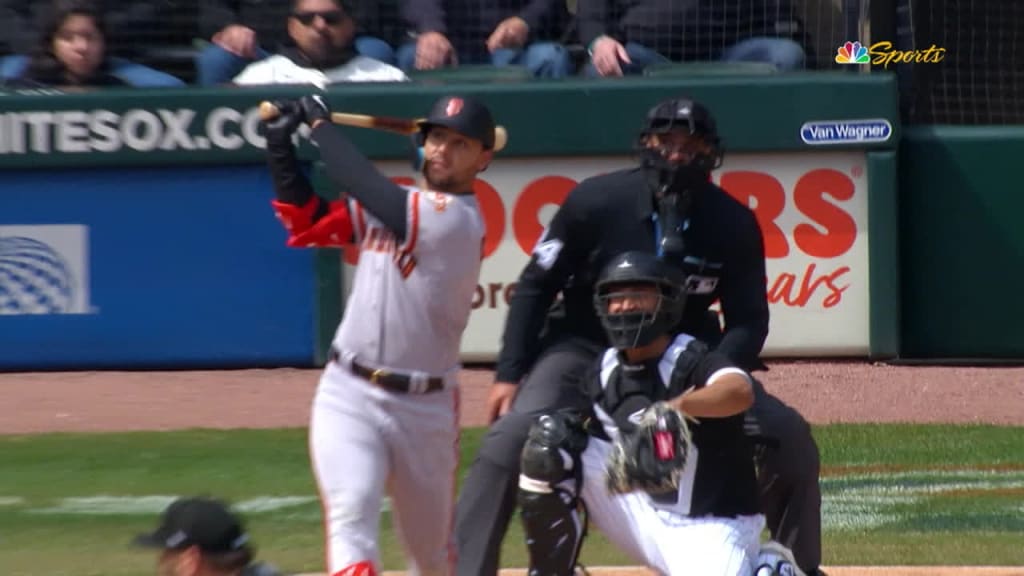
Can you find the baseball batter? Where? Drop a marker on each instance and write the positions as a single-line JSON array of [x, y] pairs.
[[707, 523], [385, 415]]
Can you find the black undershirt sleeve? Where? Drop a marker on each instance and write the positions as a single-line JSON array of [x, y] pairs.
[[356, 175]]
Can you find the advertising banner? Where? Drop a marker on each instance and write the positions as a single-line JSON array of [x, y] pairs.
[[812, 209], [149, 268]]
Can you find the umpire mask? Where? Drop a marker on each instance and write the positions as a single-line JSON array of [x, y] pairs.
[[638, 297], [678, 146], [678, 149]]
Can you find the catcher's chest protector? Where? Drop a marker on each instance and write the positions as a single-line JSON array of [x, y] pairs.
[[628, 390]]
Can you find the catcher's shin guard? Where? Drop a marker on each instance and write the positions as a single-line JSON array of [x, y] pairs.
[[554, 531], [548, 494]]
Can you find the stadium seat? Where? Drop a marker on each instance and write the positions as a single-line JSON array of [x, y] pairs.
[[712, 68], [11, 66], [483, 73], [178, 61]]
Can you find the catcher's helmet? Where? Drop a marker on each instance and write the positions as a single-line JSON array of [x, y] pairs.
[[679, 114], [634, 328]]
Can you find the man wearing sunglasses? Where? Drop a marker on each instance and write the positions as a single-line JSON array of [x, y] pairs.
[[321, 51], [246, 31]]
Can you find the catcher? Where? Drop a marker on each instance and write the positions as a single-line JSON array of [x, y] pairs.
[[661, 464]]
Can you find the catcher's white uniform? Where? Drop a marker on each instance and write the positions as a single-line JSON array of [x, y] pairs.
[[711, 527]]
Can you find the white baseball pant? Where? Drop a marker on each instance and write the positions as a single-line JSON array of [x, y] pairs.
[[669, 543], [365, 440]]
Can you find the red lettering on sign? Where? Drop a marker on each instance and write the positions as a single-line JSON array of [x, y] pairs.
[[769, 200], [824, 229], [840, 228], [537, 194], [498, 292], [785, 290]]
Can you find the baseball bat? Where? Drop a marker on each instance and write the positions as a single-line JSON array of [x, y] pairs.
[[388, 123]]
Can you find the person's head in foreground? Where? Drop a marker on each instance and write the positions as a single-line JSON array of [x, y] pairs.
[[201, 537]]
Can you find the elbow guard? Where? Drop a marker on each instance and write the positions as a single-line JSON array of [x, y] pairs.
[[305, 230]]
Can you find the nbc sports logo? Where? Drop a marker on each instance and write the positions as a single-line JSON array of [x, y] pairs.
[[852, 53], [44, 269]]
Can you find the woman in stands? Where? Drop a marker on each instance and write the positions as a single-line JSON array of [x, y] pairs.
[[71, 50]]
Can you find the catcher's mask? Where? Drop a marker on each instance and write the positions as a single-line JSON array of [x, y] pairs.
[[672, 166], [638, 297]]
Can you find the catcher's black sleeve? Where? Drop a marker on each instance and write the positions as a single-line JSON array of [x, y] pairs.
[[706, 367], [359, 178], [559, 250]]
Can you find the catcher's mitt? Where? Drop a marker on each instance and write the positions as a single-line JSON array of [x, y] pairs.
[[651, 457]]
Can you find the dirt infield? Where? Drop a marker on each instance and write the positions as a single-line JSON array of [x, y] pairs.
[[825, 392]]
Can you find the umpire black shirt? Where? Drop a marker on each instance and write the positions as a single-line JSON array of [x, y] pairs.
[[606, 215]]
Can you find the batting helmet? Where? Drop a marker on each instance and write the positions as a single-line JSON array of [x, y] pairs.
[[628, 274]]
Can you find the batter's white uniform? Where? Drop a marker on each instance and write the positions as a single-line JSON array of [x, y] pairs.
[[406, 312], [663, 535]]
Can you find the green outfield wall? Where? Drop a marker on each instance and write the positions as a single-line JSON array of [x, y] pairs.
[[806, 150], [962, 242]]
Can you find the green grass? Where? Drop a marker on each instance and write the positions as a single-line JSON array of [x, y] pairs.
[[892, 495]]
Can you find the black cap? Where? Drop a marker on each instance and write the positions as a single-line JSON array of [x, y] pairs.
[[465, 115], [202, 522]]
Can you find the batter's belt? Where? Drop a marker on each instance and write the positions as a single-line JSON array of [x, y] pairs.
[[391, 381]]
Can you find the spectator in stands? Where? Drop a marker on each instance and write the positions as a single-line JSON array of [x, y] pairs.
[[11, 28], [71, 51], [54, 42], [510, 32], [202, 537], [320, 51], [244, 31], [626, 36]]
